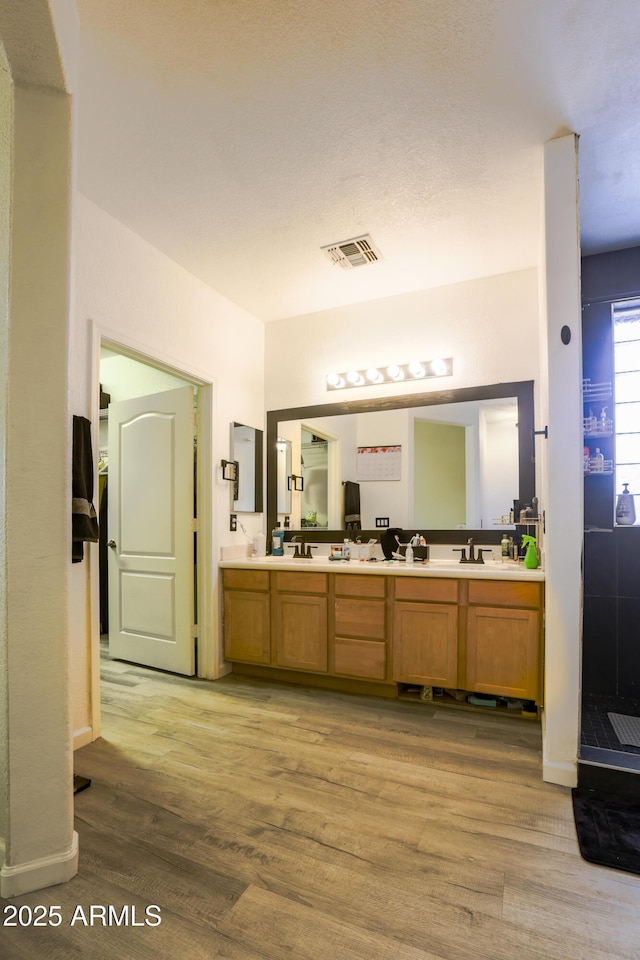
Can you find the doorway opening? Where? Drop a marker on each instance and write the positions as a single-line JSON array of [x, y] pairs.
[[154, 578]]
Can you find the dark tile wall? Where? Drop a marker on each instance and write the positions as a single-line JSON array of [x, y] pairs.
[[611, 617]]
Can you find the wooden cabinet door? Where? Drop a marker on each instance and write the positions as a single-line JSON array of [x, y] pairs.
[[425, 643], [503, 652], [301, 632], [246, 626]]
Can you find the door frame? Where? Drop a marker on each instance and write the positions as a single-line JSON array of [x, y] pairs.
[[207, 658]]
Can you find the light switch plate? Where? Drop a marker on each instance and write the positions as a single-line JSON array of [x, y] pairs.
[[382, 521]]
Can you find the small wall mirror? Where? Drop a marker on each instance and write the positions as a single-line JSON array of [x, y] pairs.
[[283, 455], [246, 450]]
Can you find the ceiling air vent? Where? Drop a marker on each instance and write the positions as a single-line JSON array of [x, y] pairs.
[[357, 252]]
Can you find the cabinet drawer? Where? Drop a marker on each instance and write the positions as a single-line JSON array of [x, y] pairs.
[[246, 579], [360, 618], [504, 593], [428, 589], [360, 658], [358, 585], [292, 582]]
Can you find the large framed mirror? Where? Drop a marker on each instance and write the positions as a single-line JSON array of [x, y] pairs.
[[246, 450], [462, 458]]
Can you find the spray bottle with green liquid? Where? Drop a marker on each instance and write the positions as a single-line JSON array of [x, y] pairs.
[[531, 556]]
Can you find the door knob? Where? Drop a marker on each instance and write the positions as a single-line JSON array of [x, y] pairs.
[[112, 544]]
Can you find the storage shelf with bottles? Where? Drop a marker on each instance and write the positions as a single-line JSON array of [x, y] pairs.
[[598, 468], [597, 425]]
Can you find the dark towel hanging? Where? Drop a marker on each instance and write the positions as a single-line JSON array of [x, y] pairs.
[[352, 519], [84, 523]]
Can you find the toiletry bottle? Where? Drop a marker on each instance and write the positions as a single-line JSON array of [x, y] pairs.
[[346, 550], [625, 508], [408, 554], [597, 463], [586, 460], [504, 545], [277, 541], [602, 425], [531, 556]]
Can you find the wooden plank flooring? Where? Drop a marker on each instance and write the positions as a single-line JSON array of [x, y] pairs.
[[278, 822]]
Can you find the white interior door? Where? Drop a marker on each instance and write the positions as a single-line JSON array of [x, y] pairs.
[[151, 525]]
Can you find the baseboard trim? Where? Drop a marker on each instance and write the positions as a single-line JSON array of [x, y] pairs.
[[82, 737], [41, 873], [564, 774]]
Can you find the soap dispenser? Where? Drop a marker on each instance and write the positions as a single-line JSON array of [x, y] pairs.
[[531, 556], [625, 508]]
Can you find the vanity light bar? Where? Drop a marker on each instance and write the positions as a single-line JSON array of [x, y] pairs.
[[394, 373]]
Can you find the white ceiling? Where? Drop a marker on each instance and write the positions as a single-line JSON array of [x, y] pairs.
[[240, 136]]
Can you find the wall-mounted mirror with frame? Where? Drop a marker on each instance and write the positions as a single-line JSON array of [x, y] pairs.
[[466, 455], [247, 452]]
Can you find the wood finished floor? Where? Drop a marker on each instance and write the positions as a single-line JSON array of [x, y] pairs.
[[270, 821]]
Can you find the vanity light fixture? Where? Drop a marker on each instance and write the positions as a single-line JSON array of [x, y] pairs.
[[394, 373], [295, 483], [230, 470]]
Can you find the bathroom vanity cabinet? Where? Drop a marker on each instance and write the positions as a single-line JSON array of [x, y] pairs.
[[359, 627], [425, 632], [299, 617], [504, 641], [247, 619], [382, 631]]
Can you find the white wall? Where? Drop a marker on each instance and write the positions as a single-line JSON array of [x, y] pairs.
[[489, 326], [137, 296], [40, 846], [562, 462]]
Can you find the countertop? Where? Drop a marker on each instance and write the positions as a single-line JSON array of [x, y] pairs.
[[489, 570]]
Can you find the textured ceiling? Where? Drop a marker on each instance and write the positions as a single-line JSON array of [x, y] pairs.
[[240, 136]]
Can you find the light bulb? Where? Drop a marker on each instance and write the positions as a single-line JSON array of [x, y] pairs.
[[355, 378], [374, 375], [335, 380], [394, 372], [416, 369], [440, 367]]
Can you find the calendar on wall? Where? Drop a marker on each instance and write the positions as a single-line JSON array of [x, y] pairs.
[[379, 463]]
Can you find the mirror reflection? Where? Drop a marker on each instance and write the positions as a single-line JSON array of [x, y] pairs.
[[432, 462], [246, 450], [457, 467], [283, 473]]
